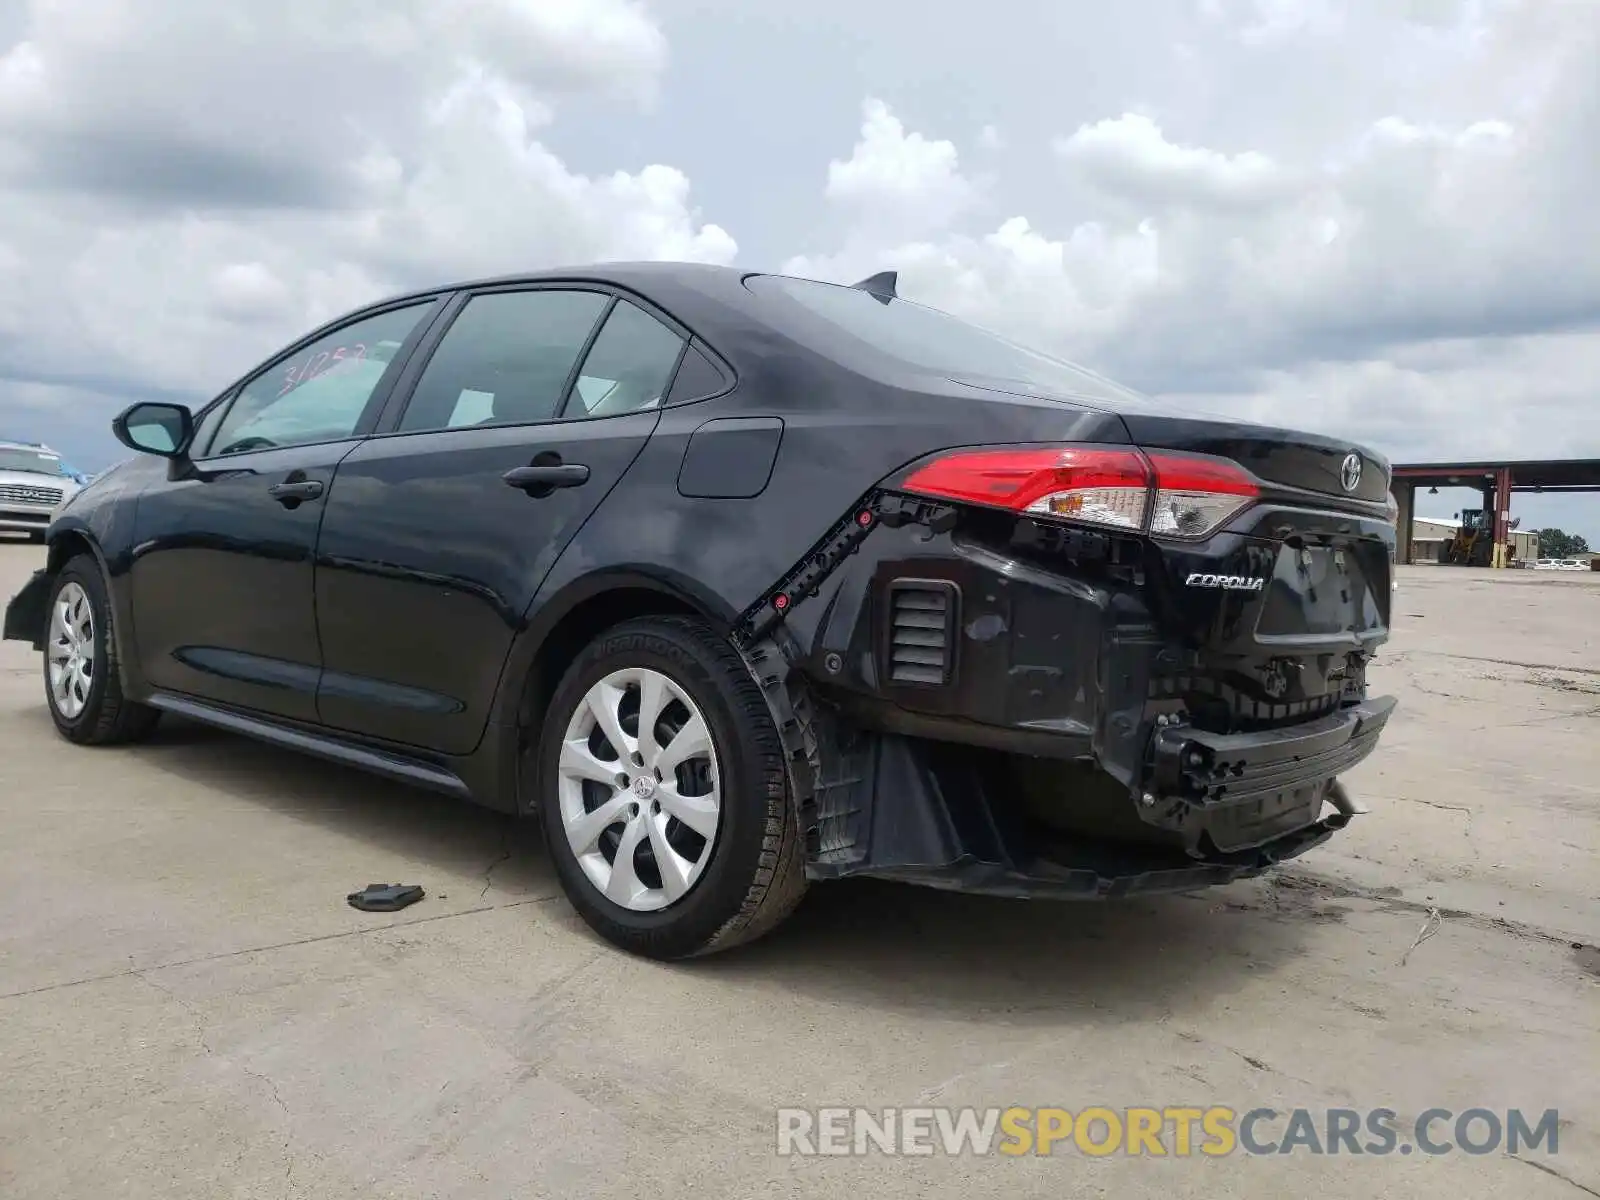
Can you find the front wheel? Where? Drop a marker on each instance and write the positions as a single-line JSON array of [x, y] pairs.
[[81, 682], [663, 793]]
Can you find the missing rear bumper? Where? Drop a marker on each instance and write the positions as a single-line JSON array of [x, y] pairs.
[[1190, 811], [1232, 792], [965, 818]]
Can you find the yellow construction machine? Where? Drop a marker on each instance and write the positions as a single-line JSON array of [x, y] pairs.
[[1473, 542]]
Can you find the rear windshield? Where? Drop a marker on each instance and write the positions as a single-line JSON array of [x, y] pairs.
[[928, 340]]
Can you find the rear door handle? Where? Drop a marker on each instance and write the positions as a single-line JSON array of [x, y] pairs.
[[292, 492], [541, 480]]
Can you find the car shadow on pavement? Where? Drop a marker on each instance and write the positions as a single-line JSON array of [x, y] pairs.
[[453, 836], [900, 948], [860, 942]]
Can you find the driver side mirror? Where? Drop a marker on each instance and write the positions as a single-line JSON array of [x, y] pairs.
[[164, 430]]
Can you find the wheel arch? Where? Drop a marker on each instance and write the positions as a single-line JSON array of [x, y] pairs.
[[558, 629], [29, 613], [66, 543]]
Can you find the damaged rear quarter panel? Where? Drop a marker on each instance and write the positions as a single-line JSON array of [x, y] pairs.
[[831, 454], [1047, 696]]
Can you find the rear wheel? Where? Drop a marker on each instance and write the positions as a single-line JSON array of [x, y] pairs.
[[663, 793], [81, 682]]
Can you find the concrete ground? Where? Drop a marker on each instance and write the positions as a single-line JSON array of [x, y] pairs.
[[188, 1008]]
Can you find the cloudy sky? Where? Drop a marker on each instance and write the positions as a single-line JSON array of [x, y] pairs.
[[1372, 217]]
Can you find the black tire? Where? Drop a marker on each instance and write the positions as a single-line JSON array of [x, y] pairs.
[[756, 874], [108, 717]]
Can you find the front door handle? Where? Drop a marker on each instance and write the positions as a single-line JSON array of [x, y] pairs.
[[293, 491], [541, 480]]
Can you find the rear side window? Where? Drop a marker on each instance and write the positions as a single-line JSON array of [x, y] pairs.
[[697, 378], [927, 340], [505, 360], [629, 366]]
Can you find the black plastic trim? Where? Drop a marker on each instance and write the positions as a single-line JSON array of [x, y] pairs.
[[382, 762], [892, 673], [1215, 769], [26, 611]]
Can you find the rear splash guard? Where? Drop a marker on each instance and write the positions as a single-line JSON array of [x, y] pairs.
[[27, 612], [932, 814], [1048, 880]]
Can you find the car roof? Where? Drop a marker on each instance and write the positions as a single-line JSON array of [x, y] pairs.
[[708, 301], [680, 286], [640, 275]]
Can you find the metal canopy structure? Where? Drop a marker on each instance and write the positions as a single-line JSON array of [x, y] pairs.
[[1497, 481], [1543, 475]]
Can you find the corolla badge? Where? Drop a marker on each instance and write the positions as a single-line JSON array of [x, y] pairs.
[[1227, 583], [1350, 472]]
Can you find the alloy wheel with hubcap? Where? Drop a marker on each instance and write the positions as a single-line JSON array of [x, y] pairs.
[[82, 682], [69, 651], [663, 790], [639, 789]]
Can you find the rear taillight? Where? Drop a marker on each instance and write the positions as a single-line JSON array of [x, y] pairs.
[[1195, 496], [1169, 495], [1106, 487]]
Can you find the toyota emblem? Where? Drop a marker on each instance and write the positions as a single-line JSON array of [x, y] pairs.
[[1350, 472]]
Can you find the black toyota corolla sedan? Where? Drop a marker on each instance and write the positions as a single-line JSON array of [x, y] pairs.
[[739, 581]]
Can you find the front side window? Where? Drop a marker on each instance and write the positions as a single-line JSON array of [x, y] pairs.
[[318, 393], [629, 366], [505, 360], [206, 425]]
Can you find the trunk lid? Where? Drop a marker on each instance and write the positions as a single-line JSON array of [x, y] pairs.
[[1291, 459]]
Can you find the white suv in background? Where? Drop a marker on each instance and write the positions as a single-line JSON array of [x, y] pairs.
[[33, 482]]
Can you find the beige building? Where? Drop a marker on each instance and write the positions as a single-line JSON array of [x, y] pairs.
[[1429, 535]]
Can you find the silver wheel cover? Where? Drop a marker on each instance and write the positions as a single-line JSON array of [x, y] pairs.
[[69, 651], [639, 789]]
